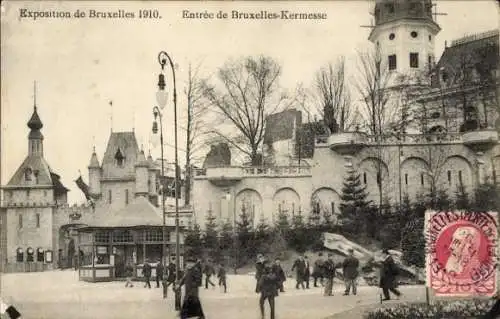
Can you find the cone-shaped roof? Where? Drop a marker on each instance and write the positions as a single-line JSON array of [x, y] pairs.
[[35, 123], [141, 159], [94, 162]]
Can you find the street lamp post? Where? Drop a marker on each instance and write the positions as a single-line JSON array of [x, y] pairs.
[[161, 97], [158, 115]]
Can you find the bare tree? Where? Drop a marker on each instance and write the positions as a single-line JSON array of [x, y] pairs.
[[334, 96], [250, 92], [196, 125]]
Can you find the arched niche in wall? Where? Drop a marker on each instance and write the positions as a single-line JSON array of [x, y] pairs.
[[414, 177], [250, 201], [286, 200], [456, 170], [325, 201], [373, 171]]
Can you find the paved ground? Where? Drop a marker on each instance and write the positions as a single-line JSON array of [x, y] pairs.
[[59, 294]]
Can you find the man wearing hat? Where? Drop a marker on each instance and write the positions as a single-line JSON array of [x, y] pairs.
[[268, 286], [259, 268], [388, 276], [350, 270], [191, 306]]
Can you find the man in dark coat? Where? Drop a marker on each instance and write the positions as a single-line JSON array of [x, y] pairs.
[[280, 274], [388, 276], [191, 305], [221, 274], [208, 270], [329, 271], [268, 288], [259, 268], [318, 271], [350, 270], [159, 273], [170, 277], [146, 270], [300, 267]]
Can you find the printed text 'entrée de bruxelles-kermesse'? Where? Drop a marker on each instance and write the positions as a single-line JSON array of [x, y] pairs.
[[257, 15]]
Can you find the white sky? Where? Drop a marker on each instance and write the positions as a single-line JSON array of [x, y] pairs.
[[80, 65]]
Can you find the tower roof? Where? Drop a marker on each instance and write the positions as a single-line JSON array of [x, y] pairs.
[[141, 160], [391, 10], [122, 145], [35, 123], [94, 162]]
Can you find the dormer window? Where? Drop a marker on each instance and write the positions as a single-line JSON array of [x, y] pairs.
[[119, 158], [27, 174], [36, 176]]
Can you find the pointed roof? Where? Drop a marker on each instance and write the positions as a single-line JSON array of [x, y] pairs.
[[30, 165], [94, 162], [140, 212], [141, 160], [35, 123], [126, 144]]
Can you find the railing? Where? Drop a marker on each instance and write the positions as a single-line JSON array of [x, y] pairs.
[[259, 171], [407, 139]]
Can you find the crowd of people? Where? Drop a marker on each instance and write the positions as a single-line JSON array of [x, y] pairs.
[[270, 278]]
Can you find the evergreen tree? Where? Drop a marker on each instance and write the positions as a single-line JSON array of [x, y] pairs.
[[282, 224], [244, 229], [193, 242], [487, 197], [210, 237], [354, 204], [315, 215], [298, 237], [263, 235], [226, 240]]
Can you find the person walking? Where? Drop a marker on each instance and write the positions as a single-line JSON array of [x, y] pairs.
[[300, 267], [280, 274], [159, 273], [329, 271], [318, 270], [170, 273], [307, 272], [129, 273], [208, 270], [351, 273], [146, 270], [268, 288], [221, 274], [191, 305], [259, 269], [388, 276]]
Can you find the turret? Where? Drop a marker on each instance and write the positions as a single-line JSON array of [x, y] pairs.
[[152, 171], [94, 176], [141, 175], [35, 137]]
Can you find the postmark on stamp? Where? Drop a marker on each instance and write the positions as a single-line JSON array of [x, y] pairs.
[[461, 253]]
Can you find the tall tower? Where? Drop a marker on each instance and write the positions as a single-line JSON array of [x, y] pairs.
[[95, 176], [404, 34], [141, 175]]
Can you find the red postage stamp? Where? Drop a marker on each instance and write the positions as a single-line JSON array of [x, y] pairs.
[[461, 253]]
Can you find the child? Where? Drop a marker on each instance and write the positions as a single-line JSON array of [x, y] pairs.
[[268, 288], [222, 277]]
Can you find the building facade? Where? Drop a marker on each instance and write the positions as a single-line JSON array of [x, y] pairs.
[[434, 156]]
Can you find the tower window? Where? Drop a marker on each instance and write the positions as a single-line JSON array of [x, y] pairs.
[[109, 197], [119, 158], [379, 179], [406, 179], [37, 220], [29, 254], [27, 174], [392, 36], [39, 254], [460, 177], [449, 177], [28, 194], [430, 37], [422, 179], [364, 178], [414, 34], [333, 207], [413, 60], [20, 221], [19, 255], [35, 173], [126, 196], [392, 62]]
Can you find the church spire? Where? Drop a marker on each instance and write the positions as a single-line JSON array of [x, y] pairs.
[[35, 123], [35, 137]]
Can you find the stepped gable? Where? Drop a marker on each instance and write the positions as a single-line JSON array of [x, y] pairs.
[[121, 145], [479, 52], [219, 155], [138, 213]]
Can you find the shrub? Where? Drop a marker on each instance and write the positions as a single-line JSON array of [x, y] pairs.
[[455, 309]]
